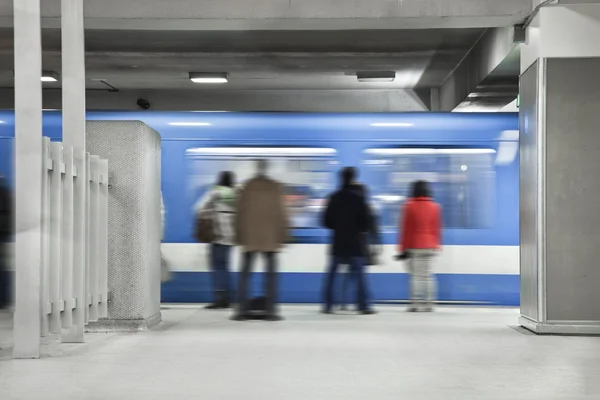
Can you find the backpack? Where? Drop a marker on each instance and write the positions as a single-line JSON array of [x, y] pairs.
[[204, 231], [204, 228]]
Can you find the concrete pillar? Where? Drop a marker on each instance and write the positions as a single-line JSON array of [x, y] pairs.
[[28, 177], [559, 188], [73, 113]]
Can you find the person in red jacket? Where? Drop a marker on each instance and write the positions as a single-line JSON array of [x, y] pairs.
[[419, 240]]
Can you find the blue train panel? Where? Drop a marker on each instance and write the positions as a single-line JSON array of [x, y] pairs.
[[471, 161]]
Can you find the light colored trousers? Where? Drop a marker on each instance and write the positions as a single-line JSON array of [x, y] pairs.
[[422, 280]]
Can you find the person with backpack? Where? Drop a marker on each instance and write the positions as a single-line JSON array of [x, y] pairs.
[[419, 240], [6, 232], [216, 226], [347, 216]]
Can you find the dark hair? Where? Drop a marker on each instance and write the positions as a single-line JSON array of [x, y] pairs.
[[420, 189], [348, 175], [226, 179], [262, 165]]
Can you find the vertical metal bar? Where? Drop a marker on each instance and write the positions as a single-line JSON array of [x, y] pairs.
[[88, 297], [93, 238], [103, 240], [67, 243], [80, 184], [28, 168], [45, 246], [55, 240]]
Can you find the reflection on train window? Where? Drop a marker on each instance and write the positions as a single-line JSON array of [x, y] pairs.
[[307, 174], [462, 181]]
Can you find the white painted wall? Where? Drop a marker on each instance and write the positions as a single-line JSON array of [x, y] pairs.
[[563, 31]]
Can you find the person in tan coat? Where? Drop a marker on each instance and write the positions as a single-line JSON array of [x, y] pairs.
[[261, 227]]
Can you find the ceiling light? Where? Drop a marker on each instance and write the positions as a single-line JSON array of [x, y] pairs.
[[262, 151], [376, 76], [49, 76], [425, 151], [190, 123], [392, 124], [208, 77]]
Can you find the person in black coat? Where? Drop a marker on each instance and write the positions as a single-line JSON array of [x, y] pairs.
[[6, 231], [347, 216]]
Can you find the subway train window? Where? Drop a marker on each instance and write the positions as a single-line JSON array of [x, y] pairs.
[[462, 181], [306, 173]]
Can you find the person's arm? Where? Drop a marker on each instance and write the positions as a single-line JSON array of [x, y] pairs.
[[364, 216], [240, 212], [283, 213], [439, 226], [328, 214], [405, 229]]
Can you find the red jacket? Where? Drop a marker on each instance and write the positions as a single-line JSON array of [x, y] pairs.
[[420, 225]]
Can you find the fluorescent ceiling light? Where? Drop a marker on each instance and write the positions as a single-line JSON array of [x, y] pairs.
[[402, 151], [261, 151], [376, 76], [392, 124], [208, 77], [49, 76], [190, 123]]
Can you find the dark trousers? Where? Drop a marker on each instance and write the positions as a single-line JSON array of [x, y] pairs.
[[270, 282], [5, 284], [220, 256], [357, 274]]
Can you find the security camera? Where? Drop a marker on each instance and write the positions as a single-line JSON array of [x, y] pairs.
[[143, 103]]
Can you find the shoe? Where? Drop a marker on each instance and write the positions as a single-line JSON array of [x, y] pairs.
[[274, 318], [224, 305], [427, 309], [370, 311], [411, 309], [326, 312], [238, 317], [212, 306]]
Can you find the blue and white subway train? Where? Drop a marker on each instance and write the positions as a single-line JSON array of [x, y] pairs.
[[471, 161]]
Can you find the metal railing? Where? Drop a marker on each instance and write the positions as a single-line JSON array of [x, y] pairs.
[[74, 278]]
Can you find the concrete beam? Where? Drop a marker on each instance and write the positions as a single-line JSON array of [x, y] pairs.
[[492, 56], [286, 14], [241, 100]]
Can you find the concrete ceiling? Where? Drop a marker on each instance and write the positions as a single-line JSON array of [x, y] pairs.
[[269, 60]]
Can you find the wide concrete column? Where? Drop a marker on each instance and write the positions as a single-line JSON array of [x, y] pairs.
[[560, 165], [28, 177]]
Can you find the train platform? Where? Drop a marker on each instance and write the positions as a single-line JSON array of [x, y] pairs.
[[453, 353]]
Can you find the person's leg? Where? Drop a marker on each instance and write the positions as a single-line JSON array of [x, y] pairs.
[[4, 281], [329, 286], [431, 284], [214, 275], [227, 296], [419, 279], [221, 275], [271, 286], [242, 306], [412, 287], [357, 268], [346, 281]]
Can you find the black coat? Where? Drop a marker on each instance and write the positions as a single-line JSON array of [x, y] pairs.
[[347, 216]]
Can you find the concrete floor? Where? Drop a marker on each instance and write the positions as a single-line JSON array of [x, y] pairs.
[[454, 353]]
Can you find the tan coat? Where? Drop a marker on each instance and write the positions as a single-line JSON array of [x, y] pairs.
[[261, 221]]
